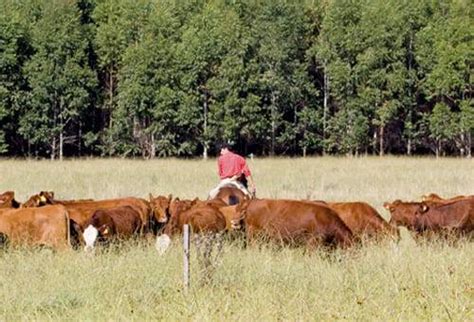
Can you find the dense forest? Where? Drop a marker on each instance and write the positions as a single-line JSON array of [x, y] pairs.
[[158, 78]]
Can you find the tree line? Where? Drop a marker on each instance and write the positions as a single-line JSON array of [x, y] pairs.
[[158, 78]]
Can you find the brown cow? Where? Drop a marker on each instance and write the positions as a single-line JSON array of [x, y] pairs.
[[363, 220], [106, 224], [45, 226], [292, 221], [456, 216], [203, 217], [7, 200], [81, 211]]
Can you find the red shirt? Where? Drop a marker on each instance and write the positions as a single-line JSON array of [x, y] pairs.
[[231, 164]]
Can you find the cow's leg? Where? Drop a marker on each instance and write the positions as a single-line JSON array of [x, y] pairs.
[[3, 240], [90, 236]]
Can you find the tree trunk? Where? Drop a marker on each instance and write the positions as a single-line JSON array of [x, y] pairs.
[[61, 131], [152, 146], [325, 104], [462, 145], [410, 56], [374, 143], [53, 148], [61, 144], [381, 137], [111, 93], [79, 134], [469, 145], [273, 116], [204, 152], [304, 152]]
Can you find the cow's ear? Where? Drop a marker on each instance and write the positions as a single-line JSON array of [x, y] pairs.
[[170, 197], [389, 206], [40, 199], [47, 194], [151, 197], [424, 207], [104, 230]]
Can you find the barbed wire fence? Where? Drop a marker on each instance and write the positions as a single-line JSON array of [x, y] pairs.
[[208, 254]]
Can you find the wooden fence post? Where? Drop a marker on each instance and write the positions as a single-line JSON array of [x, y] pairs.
[[186, 243]]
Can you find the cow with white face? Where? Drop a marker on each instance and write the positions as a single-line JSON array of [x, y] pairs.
[[114, 223]]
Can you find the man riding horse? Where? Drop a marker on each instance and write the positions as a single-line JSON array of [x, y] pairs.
[[233, 172]]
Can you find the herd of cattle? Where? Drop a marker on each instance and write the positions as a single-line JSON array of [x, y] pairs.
[[62, 224]]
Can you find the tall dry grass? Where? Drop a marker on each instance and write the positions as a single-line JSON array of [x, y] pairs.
[[407, 281]]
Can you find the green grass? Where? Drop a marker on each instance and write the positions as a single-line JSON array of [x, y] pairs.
[[386, 281]]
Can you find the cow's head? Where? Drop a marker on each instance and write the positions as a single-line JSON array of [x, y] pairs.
[[33, 201], [106, 231], [160, 207], [47, 197], [403, 213], [7, 200], [240, 213], [177, 207], [42, 199]]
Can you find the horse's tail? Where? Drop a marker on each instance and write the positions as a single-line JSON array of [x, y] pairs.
[[233, 200]]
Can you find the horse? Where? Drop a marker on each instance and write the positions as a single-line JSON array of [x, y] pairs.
[[231, 195]]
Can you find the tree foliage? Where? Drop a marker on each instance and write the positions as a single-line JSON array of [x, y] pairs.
[[158, 78]]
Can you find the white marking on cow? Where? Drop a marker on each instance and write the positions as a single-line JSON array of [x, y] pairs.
[[90, 235], [162, 243]]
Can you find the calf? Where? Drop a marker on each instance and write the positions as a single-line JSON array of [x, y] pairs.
[[105, 224]]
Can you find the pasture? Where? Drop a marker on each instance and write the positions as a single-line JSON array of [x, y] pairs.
[[430, 280]]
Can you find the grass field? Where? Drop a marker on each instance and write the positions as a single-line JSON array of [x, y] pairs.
[[387, 281]]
